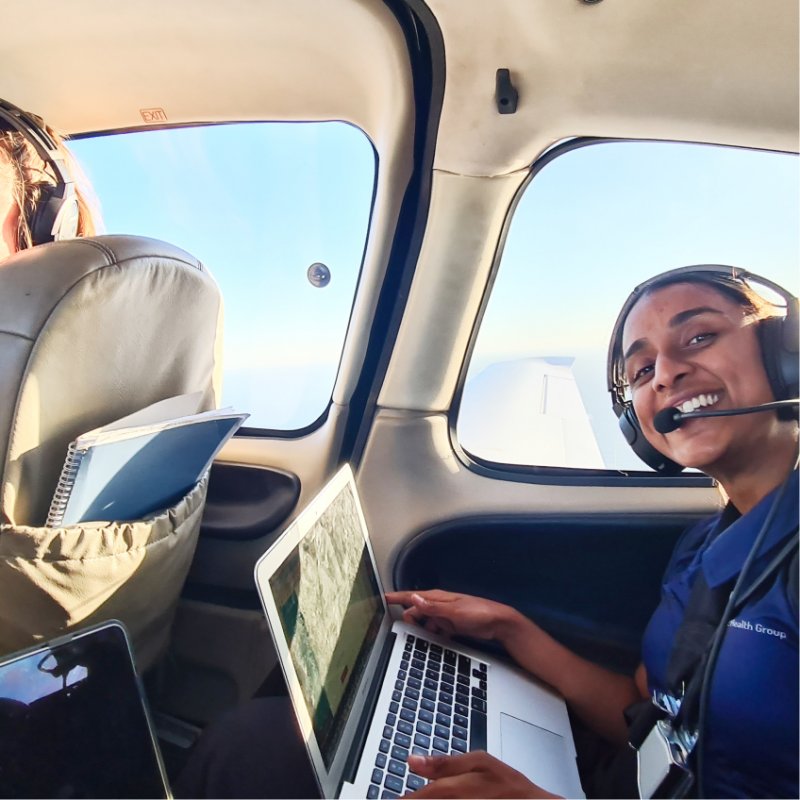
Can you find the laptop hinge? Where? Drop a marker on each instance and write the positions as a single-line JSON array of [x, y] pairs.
[[351, 765]]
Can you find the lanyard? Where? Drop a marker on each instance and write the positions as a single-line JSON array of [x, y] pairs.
[[692, 646], [705, 620]]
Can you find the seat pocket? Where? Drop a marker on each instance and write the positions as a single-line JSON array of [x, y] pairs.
[[55, 579]]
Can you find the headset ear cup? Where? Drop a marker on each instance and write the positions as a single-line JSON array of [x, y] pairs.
[[629, 425], [791, 328], [43, 216], [790, 349], [778, 338], [67, 218], [55, 216]]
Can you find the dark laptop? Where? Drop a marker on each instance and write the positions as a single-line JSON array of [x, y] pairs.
[[74, 720]]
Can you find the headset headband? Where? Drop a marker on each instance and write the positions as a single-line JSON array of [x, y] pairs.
[[719, 274], [33, 129]]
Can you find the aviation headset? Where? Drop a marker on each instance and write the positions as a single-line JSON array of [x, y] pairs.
[[55, 215], [778, 338]]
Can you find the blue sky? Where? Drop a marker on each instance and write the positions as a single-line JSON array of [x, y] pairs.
[[258, 204]]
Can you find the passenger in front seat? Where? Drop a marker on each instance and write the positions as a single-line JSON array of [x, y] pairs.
[[686, 339], [37, 176]]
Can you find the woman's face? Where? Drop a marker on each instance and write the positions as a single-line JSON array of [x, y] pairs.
[[9, 211], [689, 346]]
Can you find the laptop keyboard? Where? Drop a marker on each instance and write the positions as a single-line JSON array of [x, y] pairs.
[[438, 707]]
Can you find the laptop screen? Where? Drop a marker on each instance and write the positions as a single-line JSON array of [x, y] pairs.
[[73, 721], [330, 610]]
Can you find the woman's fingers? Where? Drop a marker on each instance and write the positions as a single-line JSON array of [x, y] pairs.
[[471, 775], [413, 616], [448, 613], [399, 598], [436, 767], [420, 599]]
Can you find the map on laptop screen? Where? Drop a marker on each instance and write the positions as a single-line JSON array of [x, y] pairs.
[[330, 610]]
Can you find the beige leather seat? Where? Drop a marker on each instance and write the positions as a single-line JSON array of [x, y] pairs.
[[92, 330]]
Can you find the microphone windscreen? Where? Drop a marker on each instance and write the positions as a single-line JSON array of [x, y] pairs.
[[667, 420]]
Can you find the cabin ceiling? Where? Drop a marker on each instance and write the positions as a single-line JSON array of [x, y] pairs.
[[716, 70], [723, 71]]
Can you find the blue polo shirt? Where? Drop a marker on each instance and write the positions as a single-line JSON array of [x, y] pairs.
[[751, 736]]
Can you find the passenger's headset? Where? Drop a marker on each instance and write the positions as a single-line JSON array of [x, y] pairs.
[[778, 338], [55, 215]]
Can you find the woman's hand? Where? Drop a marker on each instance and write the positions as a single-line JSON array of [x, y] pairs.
[[475, 774], [449, 613]]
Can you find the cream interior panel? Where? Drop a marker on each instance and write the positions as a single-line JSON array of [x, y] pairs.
[[392, 179], [466, 219], [723, 70], [410, 479], [716, 70], [202, 60]]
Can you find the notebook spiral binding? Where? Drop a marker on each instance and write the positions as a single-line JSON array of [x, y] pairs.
[[64, 487]]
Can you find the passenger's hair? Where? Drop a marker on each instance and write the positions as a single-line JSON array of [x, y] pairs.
[[739, 291], [22, 165]]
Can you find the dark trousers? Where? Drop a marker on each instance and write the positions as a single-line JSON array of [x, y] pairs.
[[606, 770], [255, 750]]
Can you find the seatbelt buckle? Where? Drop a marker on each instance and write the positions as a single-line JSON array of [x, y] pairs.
[[662, 747], [662, 769]]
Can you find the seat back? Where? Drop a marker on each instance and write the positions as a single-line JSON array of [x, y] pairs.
[[92, 330]]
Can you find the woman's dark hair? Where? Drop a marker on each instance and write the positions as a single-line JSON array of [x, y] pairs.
[[736, 289], [739, 291]]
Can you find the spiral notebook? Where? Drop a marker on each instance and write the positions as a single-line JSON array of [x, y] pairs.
[[141, 463]]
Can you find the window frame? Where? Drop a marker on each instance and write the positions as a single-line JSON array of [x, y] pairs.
[[549, 475], [251, 431]]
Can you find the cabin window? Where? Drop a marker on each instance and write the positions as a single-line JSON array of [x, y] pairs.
[[263, 205], [590, 225]]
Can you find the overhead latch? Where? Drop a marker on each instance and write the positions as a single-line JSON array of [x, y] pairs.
[[505, 93]]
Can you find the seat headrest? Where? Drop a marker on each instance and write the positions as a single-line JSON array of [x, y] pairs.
[[91, 330]]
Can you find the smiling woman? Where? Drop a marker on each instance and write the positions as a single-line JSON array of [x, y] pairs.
[[673, 332], [694, 347], [696, 335], [729, 594], [699, 337]]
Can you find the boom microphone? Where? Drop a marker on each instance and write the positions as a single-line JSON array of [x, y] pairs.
[[670, 419]]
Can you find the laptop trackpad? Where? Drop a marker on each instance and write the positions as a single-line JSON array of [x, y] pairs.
[[539, 754]]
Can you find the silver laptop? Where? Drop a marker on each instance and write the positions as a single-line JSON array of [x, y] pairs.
[[368, 691]]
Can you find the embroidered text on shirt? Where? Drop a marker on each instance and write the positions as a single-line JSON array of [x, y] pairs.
[[746, 625]]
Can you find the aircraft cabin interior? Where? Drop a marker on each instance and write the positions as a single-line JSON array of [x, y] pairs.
[[396, 234]]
